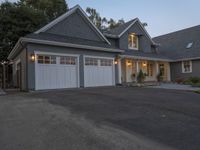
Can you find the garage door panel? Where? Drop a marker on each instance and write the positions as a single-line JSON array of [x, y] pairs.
[[100, 74], [57, 75]]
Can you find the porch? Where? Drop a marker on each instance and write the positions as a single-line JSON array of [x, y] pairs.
[[130, 69]]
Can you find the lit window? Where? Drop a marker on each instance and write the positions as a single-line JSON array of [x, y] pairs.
[[149, 70], [187, 66], [133, 41]]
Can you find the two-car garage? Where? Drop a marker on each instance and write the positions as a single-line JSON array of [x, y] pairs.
[[59, 71]]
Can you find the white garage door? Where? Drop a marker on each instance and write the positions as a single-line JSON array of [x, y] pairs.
[[98, 72], [56, 72]]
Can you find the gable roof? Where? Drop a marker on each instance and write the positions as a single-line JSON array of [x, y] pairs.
[[64, 16], [175, 45], [117, 32]]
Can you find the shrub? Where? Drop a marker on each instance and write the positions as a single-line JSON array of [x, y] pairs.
[[194, 79], [141, 77]]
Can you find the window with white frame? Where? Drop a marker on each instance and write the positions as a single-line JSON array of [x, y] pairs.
[[91, 61], [186, 66], [133, 41], [46, 59], [68, 60], [150, 69], [106, 62]]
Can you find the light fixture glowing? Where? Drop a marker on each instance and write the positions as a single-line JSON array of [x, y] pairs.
[[32, 57], [144, 64], [116, 62], [128, 63]]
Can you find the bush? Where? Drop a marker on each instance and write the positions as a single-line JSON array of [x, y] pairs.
[[198, 92], [141, 77], [194, 79]]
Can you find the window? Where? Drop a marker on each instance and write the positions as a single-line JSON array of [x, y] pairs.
[[149, 70], [91, 62], [68, 60], [186, 66], [46, 59], [133, 41], [189, 45], [106, 62]]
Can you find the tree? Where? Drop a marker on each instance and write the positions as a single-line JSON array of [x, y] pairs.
[[101, 22], [24, 17], [51, 8]]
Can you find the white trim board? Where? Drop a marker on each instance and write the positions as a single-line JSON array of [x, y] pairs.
[[29, 40], [67, 14]]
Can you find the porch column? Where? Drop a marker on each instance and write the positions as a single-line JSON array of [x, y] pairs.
[[137, 70], [157, 68], [168, 72], [119, 65]]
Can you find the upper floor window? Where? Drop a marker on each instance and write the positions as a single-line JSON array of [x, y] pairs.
[[186, 66], [133, 41]]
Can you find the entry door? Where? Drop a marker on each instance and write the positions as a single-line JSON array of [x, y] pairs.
[[130, 70], [98, 72]]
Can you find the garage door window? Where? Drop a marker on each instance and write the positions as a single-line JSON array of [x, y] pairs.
[[106, 62], [91, 62], [68, 60], [46, 59]]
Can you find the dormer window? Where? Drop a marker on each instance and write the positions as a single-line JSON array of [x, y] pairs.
[[133, 41]]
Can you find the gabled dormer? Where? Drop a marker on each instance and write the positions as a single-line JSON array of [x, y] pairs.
[[131, 36]]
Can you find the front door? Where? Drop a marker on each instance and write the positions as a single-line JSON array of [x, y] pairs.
[[162, 70], [130, 71]]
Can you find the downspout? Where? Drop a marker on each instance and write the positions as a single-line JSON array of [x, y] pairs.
[[27, 69]]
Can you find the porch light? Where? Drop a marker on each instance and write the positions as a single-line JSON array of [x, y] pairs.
[[144, 64], [32, 57], [116, 62], [129, 63]]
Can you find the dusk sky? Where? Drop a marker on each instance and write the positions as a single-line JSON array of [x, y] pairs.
[[162, 16]]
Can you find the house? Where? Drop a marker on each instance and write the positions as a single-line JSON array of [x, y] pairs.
[[183, 47], [70, 52]]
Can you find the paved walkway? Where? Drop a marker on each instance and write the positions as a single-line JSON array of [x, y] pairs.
[[2, 92], [175, 86]]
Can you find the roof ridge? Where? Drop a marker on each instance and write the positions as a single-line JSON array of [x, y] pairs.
[[124, 23], [178, 31]]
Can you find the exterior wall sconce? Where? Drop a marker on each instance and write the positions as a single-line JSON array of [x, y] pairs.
[[116, 62], [129, 63], [144, 64], [32, 57]]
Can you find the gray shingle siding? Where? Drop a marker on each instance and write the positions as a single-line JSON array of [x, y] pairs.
[[144, 42], [75, 26], [176, 70]]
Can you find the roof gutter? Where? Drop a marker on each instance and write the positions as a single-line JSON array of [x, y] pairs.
[[146, 58], [46, 42]]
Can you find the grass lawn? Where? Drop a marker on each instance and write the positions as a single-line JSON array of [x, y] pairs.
[[197, 91]]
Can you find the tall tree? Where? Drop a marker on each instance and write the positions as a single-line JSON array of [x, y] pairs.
[[51, 8], [101, 22], [24, 17]]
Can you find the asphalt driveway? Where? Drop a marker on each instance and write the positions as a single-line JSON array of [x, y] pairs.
[[111, 118]]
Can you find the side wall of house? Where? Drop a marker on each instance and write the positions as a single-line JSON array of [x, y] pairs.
[[20, 58], [176, 70], [62, 50]]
